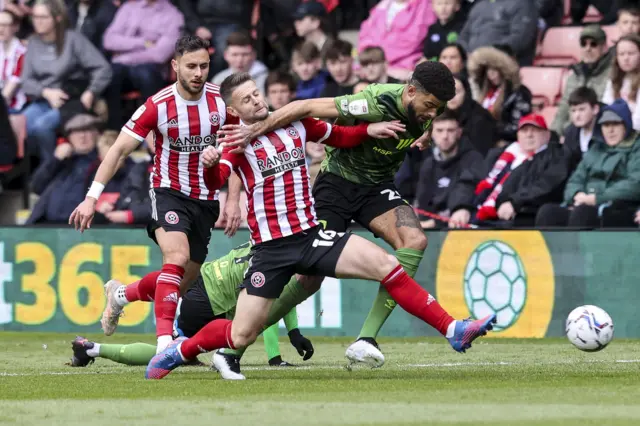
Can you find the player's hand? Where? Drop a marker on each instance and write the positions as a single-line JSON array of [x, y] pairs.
[[83, 214], [423, 141], [386, 129], [237, 136], [301, 343], [210, 156], [231, 218]]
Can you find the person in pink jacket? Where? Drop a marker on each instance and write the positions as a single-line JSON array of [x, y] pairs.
[[399, 27]]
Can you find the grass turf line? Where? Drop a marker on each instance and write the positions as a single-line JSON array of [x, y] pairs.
[[498, 382]]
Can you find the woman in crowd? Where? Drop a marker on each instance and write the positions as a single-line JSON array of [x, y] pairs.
[[478, 125], [625, 76], [495, 79], [454, 57], [63, 74]]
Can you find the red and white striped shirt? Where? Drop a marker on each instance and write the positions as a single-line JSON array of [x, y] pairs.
[[182, 130], [274, 173], [11, 66]]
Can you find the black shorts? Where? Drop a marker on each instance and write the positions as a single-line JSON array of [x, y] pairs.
[[273, 263], [195, 309], [175, 212], [339, 201]]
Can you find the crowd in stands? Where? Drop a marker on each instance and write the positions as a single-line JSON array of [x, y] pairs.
[[542, 131]]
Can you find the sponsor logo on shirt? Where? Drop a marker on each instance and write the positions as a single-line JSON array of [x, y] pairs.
[[281, 162], [192, 143], [359, 107]]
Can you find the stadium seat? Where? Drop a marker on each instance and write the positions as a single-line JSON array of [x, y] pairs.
[[560, 47], [545, 83], [592, 14], [549, 113]]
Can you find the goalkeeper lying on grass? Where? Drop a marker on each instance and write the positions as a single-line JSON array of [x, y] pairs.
[[213, 295]]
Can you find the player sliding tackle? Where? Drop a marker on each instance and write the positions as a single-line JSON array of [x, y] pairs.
[[213, 295], [288, 238], [357, 183]]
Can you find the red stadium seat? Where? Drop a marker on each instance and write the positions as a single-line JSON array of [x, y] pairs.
[[560, 47], [545, 83], [549, 113]]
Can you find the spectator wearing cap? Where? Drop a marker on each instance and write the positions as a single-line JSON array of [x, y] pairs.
[[309, 20], [592, 71], [241, 56], [63, 180], [604, 191], [528, 174], [510, 22], [399, 27]]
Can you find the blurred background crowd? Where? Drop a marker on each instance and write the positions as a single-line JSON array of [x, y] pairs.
[[542, 132]]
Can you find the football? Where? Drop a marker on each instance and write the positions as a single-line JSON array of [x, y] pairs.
[[589, 328]]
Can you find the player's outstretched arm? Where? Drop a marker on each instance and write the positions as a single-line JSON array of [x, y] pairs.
[[83, 214], [239, 136], [351, 136]]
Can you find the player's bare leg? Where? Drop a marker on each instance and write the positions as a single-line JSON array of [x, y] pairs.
[[363, 259], [401, 229]]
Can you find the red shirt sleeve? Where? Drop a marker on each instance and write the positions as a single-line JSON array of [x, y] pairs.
[[216, 176], [143, 121], [17, 71], [335, 136]]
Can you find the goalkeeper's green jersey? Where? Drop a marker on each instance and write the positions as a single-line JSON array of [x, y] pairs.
[[222, 278], [376, 160]]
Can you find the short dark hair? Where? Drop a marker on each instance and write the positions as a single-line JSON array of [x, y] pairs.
[[190, 43], [633, 11], [371, 55], [239, 38], [461, 50], [583, 95], [447, 115], [280, 77], [230, 83], [307, 51], [435, 78], [338, 48]]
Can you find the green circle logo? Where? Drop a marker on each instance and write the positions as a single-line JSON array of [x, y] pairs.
[[495, 281]]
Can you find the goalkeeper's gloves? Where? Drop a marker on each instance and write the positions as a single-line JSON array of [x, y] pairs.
[[301, 343]]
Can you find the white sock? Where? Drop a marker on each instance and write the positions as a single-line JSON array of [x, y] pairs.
[[163, 342], [180, 352], [451, 330], [95, 351], [121, 298]]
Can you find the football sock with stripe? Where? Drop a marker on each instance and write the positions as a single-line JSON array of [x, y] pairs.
[[416, 300], [166, 301], [384, 304], [143, 290]]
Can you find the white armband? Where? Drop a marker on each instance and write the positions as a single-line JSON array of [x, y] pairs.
[[95, 190]]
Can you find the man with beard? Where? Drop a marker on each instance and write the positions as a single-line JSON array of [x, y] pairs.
[[357, 183], [448, 178], [184, 119]]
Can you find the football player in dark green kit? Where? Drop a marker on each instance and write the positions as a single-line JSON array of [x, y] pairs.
[[357, 183]]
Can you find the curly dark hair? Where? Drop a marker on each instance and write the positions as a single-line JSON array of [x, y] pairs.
[[435, 78]]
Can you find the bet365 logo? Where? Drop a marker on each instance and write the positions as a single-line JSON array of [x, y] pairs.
[[6, 277]]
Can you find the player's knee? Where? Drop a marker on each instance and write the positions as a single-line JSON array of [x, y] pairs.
[[416, 240], [243, 337], [384, 263], [176, 257]]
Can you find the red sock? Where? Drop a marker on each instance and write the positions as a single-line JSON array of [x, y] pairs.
[[166, 298], [143, 289], [215, 335], [416, 300]]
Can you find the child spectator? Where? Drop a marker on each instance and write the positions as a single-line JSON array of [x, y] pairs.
[[373, 65], [625, 76], [628, 21], [306, 63], [399, 28], [281, 89], [579, 135], [11, 62], [340, 65], [445, 30], [604, 191]]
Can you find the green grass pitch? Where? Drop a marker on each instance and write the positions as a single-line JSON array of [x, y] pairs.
[[498, 382]]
